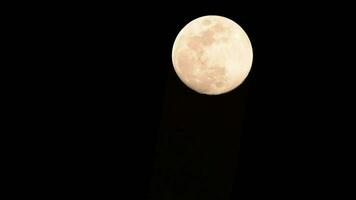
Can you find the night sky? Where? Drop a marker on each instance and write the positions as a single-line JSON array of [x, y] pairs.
[[128, 128]]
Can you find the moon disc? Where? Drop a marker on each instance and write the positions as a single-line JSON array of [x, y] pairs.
[[212, 55]]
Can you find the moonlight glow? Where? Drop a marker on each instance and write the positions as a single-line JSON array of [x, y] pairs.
[[212, 55]]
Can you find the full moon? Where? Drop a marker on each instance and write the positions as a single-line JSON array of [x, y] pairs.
[[212, 55]]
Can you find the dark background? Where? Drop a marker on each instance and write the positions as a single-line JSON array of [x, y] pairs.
[[117, 121]]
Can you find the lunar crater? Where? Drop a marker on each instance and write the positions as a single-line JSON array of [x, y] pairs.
[[206, 22]]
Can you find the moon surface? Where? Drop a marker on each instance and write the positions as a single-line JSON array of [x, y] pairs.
[[212, 55]]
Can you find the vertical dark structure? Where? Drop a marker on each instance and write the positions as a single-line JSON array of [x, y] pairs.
[[198, 148]]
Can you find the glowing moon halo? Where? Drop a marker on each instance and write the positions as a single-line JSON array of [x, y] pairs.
[[212, 55]]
